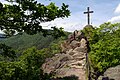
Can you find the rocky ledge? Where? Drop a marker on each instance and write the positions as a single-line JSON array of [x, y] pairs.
[[71, 61]]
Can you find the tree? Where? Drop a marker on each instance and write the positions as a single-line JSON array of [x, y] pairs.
[[105, 51], [7, 52], [26, 16]]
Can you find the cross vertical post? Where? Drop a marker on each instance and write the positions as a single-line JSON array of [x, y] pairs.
[[88, 14]]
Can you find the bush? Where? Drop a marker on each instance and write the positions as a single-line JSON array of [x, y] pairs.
[[27, 68], [105, 52]]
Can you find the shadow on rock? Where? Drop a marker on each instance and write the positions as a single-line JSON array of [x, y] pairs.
[[107, 78], [72, 77]]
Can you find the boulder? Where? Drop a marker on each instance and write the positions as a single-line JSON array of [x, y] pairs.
[[112, 73], [74, 44], [81, 49], [56, 62], [83, 43]]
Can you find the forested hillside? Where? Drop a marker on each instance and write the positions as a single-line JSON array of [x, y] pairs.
[[21, 42], [24, 41]]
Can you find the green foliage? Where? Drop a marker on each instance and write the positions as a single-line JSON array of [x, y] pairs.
[[12, 71], [9, 33], [105, 51], [27, 68], [28, 65], [27, 15], [32, 59], [7, 52], [90, 32]]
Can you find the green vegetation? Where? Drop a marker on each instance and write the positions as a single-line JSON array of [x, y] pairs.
[[23, 61], [105, 46], [27, 66], [6, 53], [24, 41], [104, 52], [27, 16]]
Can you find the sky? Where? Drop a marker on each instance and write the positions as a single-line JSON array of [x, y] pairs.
[[104, 11]]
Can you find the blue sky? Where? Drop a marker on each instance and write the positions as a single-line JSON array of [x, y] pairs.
[[104, 10]]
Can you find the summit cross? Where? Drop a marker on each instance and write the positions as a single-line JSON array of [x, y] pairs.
[[88, 14]]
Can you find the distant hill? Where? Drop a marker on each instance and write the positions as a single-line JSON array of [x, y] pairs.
[[2, 36], [24, 41]]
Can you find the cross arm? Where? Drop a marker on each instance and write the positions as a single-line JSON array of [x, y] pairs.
[[88, 12]]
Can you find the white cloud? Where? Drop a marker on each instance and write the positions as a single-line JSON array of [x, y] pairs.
[[116, 19], [67, 24], [1, 32], [4, 2], [75, 22], [117, 10]]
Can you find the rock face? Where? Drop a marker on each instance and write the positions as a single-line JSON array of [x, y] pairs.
[[112, 73], [71, 61]]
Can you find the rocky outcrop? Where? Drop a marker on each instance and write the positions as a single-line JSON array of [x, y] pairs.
[[71, 60], [112, 73]]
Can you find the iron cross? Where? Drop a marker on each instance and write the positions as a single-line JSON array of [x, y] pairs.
[[88, 14]]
